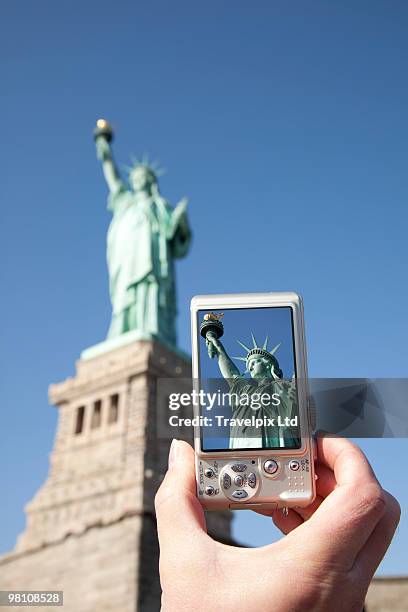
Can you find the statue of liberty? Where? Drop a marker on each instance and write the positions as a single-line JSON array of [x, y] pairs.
[[266, 378], [144, 238]]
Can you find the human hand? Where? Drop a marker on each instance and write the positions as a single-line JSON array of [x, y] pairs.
[[325, 562]]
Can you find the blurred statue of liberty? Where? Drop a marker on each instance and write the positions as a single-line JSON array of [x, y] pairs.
[[144, 238]]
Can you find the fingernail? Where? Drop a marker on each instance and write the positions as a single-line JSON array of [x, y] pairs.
[[173, 453]]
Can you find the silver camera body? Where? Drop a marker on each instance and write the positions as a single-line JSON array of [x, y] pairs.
[[258, 478]]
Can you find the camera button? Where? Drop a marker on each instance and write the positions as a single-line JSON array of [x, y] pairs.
[[294, 465], [226, 481], [270, 466], [252, 480], [239, 467], [209, 473], [209, 490], [239, 480], [241, 494]]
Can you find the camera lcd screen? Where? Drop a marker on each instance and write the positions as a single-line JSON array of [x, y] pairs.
[[247, 379]]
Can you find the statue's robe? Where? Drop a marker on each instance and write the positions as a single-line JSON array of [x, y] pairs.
[[144, 237], [249, 436]]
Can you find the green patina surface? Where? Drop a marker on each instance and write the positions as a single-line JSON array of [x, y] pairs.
[[145, 237]]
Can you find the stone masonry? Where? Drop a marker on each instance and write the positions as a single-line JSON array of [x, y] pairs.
[[90, 529]]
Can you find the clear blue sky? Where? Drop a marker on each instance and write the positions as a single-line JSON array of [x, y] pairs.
[[286, 125]]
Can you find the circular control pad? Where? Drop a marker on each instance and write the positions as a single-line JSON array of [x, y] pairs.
[[239, 480]]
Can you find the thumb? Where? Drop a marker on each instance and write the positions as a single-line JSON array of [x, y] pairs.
[[180, 516]]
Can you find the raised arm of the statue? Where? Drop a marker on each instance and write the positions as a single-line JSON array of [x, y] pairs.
[[103, 136], [227, 367], [110, 170]]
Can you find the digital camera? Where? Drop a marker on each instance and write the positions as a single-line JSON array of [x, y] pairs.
[[252, 412]]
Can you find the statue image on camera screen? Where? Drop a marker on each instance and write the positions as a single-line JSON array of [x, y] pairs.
[[266, 379]]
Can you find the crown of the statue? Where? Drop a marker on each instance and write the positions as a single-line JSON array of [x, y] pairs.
[[152, 166], [258, 350]]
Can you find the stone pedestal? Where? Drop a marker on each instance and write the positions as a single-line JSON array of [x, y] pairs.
[[91, 528], [388, 594]]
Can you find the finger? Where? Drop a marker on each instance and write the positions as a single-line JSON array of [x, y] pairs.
[[377, 544], [180, 517], [325, 484], [344, 521], [286, 523], [306, 513], [342, 456], [326, 481], [302, 513]]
